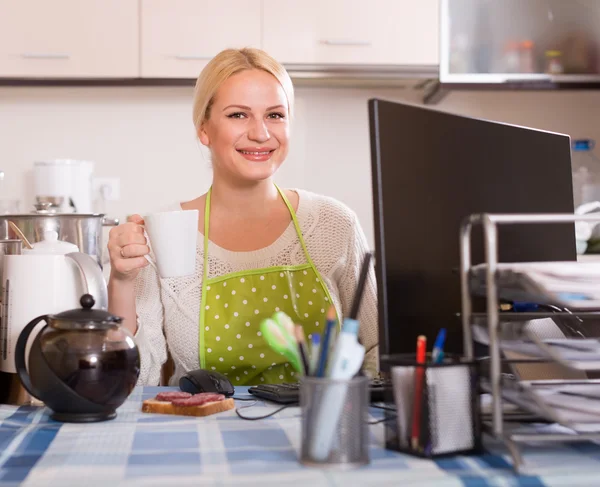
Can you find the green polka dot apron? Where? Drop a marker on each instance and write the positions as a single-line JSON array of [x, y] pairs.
[[234, 305]]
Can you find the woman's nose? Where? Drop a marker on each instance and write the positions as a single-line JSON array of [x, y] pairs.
[[258, 131]]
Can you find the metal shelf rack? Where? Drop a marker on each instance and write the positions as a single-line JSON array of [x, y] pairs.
[[500, 427]]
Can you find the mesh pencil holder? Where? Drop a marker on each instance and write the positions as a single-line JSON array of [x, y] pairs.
[[335, 430], [437, 407]]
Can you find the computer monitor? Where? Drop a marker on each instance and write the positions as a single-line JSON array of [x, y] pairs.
[[430, 169]]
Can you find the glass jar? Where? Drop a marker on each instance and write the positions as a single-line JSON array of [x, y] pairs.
[[554, 62]]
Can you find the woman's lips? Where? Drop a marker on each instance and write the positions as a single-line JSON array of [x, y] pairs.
[[256, 155]]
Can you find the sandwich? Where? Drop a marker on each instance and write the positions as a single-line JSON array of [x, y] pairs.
[[186, 404]]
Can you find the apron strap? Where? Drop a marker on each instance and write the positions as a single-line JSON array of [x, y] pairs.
[[292, 214], [201, 347], [206, 224], [296, 225]]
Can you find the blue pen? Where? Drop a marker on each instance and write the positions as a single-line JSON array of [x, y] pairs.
[[525, 307], [329, 327], [437, 354], [315, 353]]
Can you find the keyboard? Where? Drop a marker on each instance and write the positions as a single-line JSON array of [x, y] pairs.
[[290, 393]]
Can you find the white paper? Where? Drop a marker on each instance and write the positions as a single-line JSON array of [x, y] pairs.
[[449, 406], [403, 379]]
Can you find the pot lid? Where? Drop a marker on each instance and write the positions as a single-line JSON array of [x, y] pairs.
[[85, 317], [52, 246]]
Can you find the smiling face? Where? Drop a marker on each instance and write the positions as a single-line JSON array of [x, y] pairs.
[[248, 128]]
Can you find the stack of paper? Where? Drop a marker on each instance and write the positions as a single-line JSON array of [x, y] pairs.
[[574, 405], [577, 354], [570, 285]]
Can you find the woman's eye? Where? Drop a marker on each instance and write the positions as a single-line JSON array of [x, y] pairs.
[[237, 115], [276, 116]]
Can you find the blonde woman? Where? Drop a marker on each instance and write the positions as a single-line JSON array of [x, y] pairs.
[[261, 249]]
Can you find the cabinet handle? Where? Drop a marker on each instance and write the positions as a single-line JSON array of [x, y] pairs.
[[191, 57], [43, 55], [347, 42]]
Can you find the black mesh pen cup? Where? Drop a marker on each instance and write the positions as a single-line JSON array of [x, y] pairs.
[[437, 407], [335, 430]]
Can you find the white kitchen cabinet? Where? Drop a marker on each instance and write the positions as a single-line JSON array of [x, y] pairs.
[[180, 36], [352, 32], [69, 38]]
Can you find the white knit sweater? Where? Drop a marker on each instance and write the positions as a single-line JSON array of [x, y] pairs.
[[168, 310]]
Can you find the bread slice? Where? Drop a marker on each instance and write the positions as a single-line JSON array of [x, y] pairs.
[[166, 407]]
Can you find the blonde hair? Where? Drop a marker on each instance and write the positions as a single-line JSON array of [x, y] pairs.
[[226, 64]]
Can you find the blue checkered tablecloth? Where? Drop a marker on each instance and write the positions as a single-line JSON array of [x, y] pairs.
[[157, 450]]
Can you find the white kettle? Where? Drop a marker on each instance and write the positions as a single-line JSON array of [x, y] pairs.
[[50, 278]]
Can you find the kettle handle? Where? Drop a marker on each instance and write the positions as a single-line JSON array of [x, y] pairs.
[[20, 355], [92, 276]]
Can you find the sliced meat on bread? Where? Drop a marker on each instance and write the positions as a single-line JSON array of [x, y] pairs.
[[203, 404]]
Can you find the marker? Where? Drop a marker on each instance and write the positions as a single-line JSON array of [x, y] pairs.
[[437, 354]]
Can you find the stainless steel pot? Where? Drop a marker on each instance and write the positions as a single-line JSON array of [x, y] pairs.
[[83, 230], [8, 247]]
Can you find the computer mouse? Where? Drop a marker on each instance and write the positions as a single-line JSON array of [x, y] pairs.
[[201, 380]]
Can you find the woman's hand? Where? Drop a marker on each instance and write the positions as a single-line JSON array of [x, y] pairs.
[[127, 247]]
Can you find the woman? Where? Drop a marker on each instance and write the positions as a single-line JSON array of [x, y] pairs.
[[261, 249]]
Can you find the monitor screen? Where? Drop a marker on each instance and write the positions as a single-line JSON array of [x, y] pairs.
[[430, 170]]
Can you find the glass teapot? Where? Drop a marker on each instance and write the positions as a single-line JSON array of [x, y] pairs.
[[82, 364]]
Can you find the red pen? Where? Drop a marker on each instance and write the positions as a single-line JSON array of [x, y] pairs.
[[418, 391]]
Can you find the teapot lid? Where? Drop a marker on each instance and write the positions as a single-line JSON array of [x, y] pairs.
[[85, 317], [52, 246]]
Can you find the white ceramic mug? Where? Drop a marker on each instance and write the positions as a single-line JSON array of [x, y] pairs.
[[173, 237]]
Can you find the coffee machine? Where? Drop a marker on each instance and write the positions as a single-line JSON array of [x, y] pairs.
[[65, 185]]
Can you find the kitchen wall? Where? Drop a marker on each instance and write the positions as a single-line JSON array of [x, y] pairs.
[[144, 136]]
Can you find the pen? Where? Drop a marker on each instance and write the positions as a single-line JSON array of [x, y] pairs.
[[419, 377], [437, 354], [329, 327]]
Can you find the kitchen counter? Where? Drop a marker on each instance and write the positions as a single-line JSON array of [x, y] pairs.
[[138, 449]]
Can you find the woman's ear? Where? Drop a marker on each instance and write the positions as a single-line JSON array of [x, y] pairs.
[[203, 136]]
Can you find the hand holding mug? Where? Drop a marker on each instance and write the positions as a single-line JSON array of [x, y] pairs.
[[173, 236], [128, 249]]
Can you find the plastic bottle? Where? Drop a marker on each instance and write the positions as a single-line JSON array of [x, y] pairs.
[[511, 57], [527, 57], [586, 172]]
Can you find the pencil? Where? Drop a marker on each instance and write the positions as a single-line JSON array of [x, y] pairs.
[[364, 272], [300, 338], [418, 391]]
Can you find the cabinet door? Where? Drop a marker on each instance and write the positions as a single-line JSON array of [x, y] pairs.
[[69, 38], [393, 32], [180, 36]]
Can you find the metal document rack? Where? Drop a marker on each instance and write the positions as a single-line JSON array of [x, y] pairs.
[[499, 426]]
